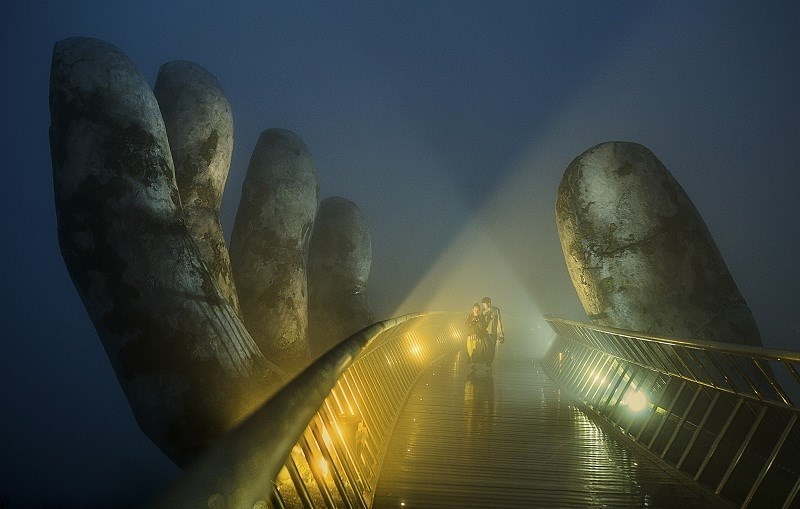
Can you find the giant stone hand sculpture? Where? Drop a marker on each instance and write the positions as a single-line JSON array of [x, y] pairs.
[[157, 292], [639, 254], [199, 126], [338, 268], [269, 245]]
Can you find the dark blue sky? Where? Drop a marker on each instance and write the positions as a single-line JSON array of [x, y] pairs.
[[405, 109]]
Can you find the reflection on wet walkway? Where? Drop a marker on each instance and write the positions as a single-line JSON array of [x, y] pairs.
[[511, 439]]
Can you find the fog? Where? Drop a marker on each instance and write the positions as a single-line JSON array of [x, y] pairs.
[[450, 127]]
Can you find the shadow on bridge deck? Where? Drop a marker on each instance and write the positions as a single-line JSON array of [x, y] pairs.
[[513, 439]]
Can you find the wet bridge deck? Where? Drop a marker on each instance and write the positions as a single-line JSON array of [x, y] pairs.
[[512, 439]]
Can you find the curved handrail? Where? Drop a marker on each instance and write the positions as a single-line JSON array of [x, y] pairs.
[[237, 470], [713, 364], [706, 408], [763, 352]]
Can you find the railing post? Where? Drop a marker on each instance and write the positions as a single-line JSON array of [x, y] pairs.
[[741, 449], [770, 460]]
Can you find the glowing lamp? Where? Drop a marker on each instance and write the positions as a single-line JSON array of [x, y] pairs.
[[636, 400]]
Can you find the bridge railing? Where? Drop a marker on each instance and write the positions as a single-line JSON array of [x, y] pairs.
[[724, 415], [321, 440]]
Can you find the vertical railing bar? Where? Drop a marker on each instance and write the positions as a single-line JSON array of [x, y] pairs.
[[337, 399], [569, 360], [592, 374], [790, 367], [790, 498], [718, 439], [610, 367], [641, 374], [601, 340], [367, 397], [350, 462], [656, 404], [724, 373], [676, 351], [651, 359], [622, 393], [377, 403], [591, 369], [637, 350], [401, 377], [400, 360], [699, 429], [299, 484], [393, 377], [566, 358], [621, 348], [702, 366], [586, 336], [667, 364], [275, 497], [342, 450], [318, 434], [316, 473], [580, 358], [772, 381], [683, 420], [667, 413], [745, 377], [318, 430], [364, 408], [548, 361], [349, 396], [741, 449], [604, 404], [642, 352], [721, 378], [579, 367], [582, 374], [770, 460]]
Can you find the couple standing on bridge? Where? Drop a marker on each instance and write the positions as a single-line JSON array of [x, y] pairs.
[[484, 330]]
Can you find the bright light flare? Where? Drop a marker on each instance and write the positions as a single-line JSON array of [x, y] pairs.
[[636, 401], [323, 466]]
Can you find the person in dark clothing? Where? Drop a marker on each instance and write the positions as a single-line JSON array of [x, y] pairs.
[[476, 335]]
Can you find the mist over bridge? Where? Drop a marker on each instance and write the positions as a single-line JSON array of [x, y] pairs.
[[393, 417], [194, 363]]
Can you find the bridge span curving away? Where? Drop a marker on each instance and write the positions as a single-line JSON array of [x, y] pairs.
[[394, 417]]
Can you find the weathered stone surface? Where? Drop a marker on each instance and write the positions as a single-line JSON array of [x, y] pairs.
[[339, 261], [269, 245], [199, 124], [186, 363], [639, 254]]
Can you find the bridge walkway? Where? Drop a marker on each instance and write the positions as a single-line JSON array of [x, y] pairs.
[[511, 438]]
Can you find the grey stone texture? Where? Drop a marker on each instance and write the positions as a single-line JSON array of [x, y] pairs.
[[639, 254], [199, 124], [186, 364], [339, 261], [269, 245]]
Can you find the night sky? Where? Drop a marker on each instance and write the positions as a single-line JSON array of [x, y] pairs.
[[449, 125]]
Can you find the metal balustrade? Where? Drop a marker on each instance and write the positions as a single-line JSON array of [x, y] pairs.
[[724, 415], [321, 441]]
